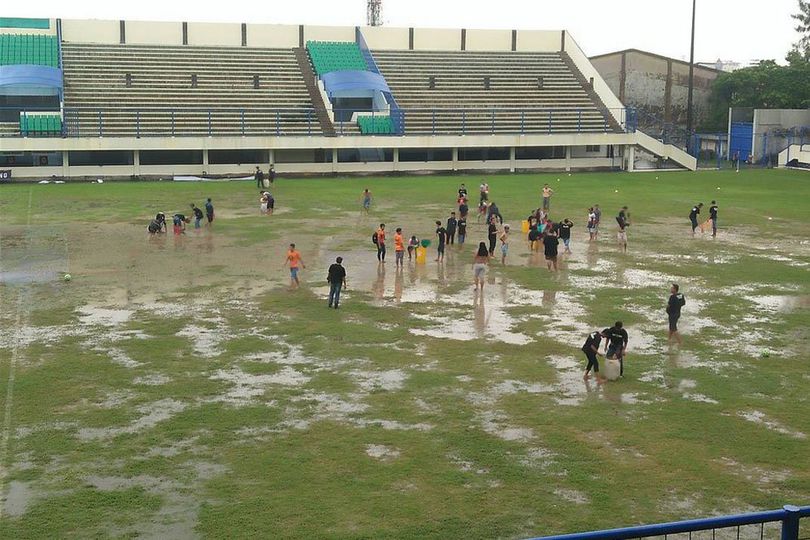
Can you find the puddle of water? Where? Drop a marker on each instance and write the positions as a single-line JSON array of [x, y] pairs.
[[466, 466], [25, 277], [759, 417], [206, 341], [100, 316], [18, 497], [152, 414], [779, 303], [152, 379], [382, 452], [755, 474], [247, 387], [389, 381]]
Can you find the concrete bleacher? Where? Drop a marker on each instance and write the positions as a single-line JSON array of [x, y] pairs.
[[161, 82], [525, 91]]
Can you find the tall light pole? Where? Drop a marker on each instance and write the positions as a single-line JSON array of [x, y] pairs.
[[691, 75]]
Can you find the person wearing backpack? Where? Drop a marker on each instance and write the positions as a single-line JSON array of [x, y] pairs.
[[378, 239], [674, 305]]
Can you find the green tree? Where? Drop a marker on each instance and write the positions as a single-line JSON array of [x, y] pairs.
[[802, 47]]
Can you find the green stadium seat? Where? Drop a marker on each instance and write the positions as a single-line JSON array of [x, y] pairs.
[[41, 124], [375, 125], [328, 56], [18, 49]]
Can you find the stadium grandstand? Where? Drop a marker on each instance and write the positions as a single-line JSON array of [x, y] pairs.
[[138, 99]]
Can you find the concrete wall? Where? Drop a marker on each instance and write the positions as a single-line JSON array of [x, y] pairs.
[[435, 39], [386, 38], [656, 85], [328, 33], [145, 33], [215, 34], [272, 36], [767, 122], [539, 40], [91, 31], [489, 40]]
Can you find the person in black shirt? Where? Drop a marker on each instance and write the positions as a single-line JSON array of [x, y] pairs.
[[617, 344], [337, 280], [493, 211], [462, 192], [713, 217], [591, 350], [462, 229], [441, 233], [259, 176], [452, 222], [492, 234], [564, 228], [674, 305], [550, 246], [271, 174], [198, 215], [623, 220], [693, 216]]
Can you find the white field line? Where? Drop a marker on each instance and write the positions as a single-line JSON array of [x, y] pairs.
[[15, 351]]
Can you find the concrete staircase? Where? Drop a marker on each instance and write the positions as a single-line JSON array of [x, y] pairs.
[[185, 90], [526, 92], [315, 96]]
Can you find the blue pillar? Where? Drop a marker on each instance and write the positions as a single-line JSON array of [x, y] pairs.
[[790, 525]]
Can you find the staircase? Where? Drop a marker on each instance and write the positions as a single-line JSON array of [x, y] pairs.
[[586, 84], [314, 94]]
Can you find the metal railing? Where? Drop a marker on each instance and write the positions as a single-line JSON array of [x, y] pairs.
[[786, 520], [303, 121]]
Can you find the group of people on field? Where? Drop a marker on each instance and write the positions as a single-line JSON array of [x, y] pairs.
[[179, 221]]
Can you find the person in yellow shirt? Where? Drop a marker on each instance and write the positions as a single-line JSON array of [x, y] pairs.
[[399, 248], [547, 193], [293, 260]]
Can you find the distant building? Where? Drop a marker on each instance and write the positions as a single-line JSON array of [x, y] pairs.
[[722, 65], [657, 86]]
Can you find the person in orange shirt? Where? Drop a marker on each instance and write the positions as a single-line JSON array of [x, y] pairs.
[[293, 260], [381, 243], [399, 248]]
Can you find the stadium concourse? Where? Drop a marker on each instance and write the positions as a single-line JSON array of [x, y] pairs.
[[96, 98]]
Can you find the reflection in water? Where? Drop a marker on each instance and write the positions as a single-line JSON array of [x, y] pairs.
[[480, 316], [378, 289], [592, 255], [549, 297], [399, 278]]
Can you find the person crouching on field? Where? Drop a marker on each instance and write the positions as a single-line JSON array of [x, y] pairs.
[[179, 221]]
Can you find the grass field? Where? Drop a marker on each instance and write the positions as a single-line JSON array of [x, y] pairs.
[[177, 388]]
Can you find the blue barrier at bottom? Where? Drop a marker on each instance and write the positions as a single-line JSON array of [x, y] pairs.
[[789, 517]]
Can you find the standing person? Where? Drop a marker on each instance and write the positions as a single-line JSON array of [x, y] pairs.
[[366, 200], [480, 262], [623, 220], [493, 211], [483, 192], [271, 174], [550, 246], [693, 216], [616, 345], [271, 202], [379, 238], [462, 192], [674, 304], [713, 217], [597, 212], [259, 176], [463, 208], [482, 211], [413, 243], [452, 223], [564, 229], [336, 278], [198, 215], [492, 235], [591, 350], [399, 248], [293, 260], [462, 229], [209, 211], [441, 234], [504, 238], [547, 193], [591, 225]]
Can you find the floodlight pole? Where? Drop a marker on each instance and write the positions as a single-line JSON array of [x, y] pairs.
[[691, 75]]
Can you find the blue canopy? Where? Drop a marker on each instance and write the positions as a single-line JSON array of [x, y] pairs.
[[346, 81], [29, 80]]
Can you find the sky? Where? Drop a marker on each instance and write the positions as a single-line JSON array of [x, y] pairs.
[[740, 30]]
